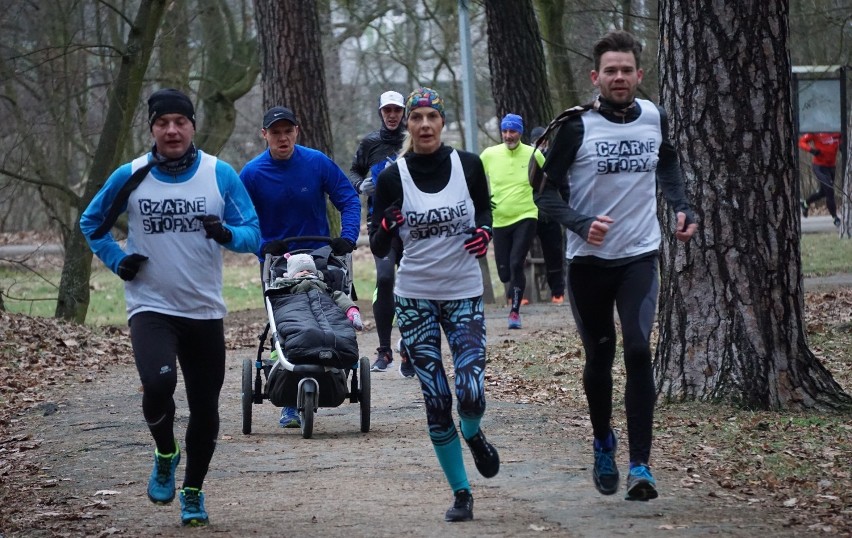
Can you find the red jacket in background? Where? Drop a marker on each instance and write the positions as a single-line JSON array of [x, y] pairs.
[[826, 143]]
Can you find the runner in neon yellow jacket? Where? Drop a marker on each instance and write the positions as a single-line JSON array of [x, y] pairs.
[[514, 211]]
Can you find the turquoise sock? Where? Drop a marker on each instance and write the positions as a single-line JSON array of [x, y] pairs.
[[469, 426], [448, 449]]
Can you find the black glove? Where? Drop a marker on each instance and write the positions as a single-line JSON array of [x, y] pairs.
[[129, 266], [815, 152], [393, 218], [341, 246], [477, 243], [215, 229], [276, 248]]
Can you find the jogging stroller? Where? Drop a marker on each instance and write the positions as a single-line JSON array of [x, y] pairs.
[[319, 375]]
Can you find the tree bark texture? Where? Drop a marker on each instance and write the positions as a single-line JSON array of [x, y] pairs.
[[291, 64], [73, 300], [231, 66], [292, 72], [553, 32], [516, 59], [732, 322]]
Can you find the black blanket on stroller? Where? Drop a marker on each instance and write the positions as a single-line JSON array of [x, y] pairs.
[[314, 330]]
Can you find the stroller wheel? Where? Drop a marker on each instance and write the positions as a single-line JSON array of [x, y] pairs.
[[246, 395], [364, 393], [309, 401]]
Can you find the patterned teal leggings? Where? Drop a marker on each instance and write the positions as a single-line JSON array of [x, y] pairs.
[[463, 321]]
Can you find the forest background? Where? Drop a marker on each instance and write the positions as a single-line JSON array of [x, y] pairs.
[[732, 326]]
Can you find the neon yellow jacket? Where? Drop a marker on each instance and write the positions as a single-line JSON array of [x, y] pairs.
[[511, 193]]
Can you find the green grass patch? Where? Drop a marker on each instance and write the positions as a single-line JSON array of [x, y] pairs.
[[34, 292], [825, 254]]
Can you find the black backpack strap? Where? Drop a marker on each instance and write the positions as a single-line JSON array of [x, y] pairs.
[[122, 197], [537, 177]]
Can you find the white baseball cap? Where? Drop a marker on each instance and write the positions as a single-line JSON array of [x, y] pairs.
[[391, 98]]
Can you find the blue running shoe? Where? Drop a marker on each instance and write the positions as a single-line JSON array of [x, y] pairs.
[[192, 511], [514, 320], [161, 485], [641, 485], [290, 418], [605, 471]]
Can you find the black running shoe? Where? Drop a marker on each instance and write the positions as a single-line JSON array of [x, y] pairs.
[[484, 454], [406, 369], [462, 508], [384, 357], [605, 471], [804, 208]]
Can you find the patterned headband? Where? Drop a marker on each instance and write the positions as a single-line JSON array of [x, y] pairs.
[[424, 97]]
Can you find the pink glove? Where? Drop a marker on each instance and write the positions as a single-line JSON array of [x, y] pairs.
[[355, 318]]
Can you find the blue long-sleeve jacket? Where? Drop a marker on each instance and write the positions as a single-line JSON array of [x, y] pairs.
[[289, 196]]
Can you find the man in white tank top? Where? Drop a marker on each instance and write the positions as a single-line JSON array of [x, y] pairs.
[[183, 207], [615, 156]]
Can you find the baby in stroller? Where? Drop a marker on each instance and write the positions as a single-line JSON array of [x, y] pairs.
[[314, 322], [313, 350], [302, 276]]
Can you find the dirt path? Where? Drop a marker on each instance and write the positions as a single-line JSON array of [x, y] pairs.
[[96, 454]]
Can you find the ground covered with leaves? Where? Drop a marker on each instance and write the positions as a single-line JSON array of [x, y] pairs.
[[799, 461]]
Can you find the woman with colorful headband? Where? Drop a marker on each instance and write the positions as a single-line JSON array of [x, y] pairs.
[[435, 199]]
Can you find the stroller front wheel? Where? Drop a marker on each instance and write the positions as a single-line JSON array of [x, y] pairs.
[[246, 396], [308, 393]]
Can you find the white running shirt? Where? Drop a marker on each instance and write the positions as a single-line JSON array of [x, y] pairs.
[[435, 264]]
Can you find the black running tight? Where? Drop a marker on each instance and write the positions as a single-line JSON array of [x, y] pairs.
[[511, 245], [383, 302], [159, 342], [632, 289]]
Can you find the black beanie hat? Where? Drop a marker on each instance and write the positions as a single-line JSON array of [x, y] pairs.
[[169, 101]]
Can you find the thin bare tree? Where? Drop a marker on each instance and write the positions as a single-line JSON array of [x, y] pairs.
[[73, 300]]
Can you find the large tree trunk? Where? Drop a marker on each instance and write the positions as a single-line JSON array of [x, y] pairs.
[[732, 324], [292, 71], [292, 66], [516, 58], [73, 300]]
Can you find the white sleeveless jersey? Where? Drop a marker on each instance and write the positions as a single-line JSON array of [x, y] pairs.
[[614, 174], [183, 274], [435, 264]]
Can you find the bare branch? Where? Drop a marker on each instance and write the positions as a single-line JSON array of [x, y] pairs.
[[41, 183]]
